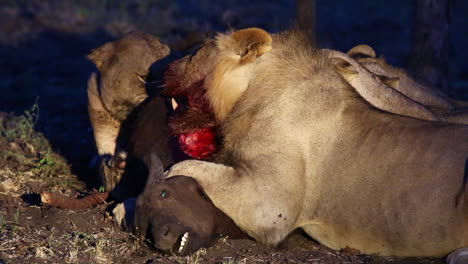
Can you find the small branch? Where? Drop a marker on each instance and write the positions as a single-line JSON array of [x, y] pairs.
[[64, 202]]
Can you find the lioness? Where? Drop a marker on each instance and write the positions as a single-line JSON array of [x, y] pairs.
[[303, 150], [122, 64], [121, 112]]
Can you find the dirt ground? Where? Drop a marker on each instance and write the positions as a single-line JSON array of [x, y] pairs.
[[46, 144]]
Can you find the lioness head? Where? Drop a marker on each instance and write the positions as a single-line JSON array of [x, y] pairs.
[[123, 65]]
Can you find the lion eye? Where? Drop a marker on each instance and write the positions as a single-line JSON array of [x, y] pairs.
[[163, 194]]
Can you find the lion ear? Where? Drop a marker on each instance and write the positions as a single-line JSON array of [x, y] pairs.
[[249, 43], [361, 51], [101, 54]]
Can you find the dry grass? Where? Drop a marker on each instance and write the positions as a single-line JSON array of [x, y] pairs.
[[26, 156]]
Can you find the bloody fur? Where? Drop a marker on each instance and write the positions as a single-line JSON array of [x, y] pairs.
[[193, 123]]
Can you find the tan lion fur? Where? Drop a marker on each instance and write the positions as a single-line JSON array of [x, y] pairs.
[[392, 89], [378, 92], [105, 126], [233, 66], [302, 149], [120, 87], [407, 85], [114, 92]]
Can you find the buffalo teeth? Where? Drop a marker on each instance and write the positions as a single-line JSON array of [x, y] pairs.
[[183, 241]]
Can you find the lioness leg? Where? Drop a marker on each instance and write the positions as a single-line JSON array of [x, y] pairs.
[[106, 129], [105, 126], [424, 95], [377, 93], [111, 169], [460, 117], [418, 92], [406, 85]]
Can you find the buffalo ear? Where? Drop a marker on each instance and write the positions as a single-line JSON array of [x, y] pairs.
[[249, 43], [155, 167], [361, 51], [101, 54]]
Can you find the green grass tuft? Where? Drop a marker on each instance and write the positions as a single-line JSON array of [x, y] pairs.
[[27, 155], [20, 127]]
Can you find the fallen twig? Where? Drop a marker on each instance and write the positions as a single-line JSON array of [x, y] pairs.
[[64, 202]]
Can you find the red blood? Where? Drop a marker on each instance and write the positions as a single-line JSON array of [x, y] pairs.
[[200, 144]]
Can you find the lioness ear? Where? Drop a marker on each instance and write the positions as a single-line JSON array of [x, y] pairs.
[[160, 49], [361, 51], [249, 43], [101, 54]]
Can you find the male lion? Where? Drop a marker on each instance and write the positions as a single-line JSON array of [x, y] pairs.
[[301, 149]]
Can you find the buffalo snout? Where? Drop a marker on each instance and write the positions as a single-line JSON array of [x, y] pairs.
[[178, 217], [175, 215], [171, 237]]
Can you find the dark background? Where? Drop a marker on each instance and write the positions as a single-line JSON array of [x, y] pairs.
[[43, 44]]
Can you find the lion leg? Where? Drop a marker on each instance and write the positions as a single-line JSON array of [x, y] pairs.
[[240, 197], [377, 93]]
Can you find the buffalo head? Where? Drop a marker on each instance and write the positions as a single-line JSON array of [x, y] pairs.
[[177, 215]]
